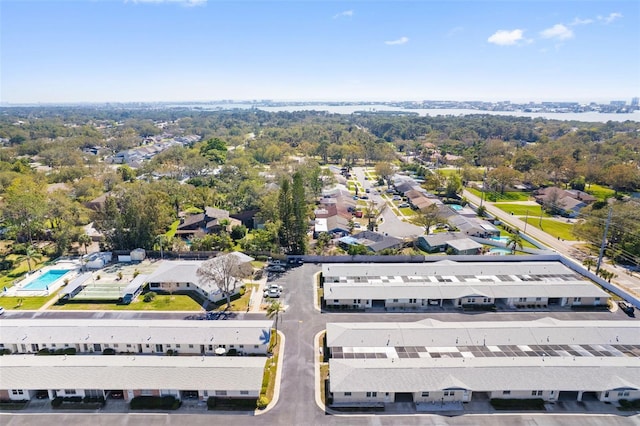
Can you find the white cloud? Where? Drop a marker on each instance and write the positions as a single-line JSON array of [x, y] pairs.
[[578, 21], [609, 19], [401, 40], [558, 31], [344, 14], [506, 37], [182, 2]]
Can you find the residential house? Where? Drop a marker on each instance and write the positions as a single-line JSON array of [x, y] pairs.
[[212, 221], [562, 201], [373, 241]]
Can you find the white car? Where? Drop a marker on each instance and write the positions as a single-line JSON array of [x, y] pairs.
[[1, 310], [273, 291]]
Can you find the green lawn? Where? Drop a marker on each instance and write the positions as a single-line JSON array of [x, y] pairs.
[[448, 172], [162, 302], [600, 192], [497, 197], [407, 211], [554, 228], [238, 305], [19, 270], [24, 303], [521, 210]]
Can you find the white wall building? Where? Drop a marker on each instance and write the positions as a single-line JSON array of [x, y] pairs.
[[438, 362]]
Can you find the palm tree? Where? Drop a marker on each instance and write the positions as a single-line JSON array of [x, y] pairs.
[[273, 311], [30, 252], [84, 240], [589, 262], [515, 240]]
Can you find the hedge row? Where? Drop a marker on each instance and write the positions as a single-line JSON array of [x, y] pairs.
[[167, 402], [61, 351], [518, 404]]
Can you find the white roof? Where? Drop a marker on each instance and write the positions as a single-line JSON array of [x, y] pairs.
[[434, 333], [484, 374], [16, 331], [131, 372], [448, 279]]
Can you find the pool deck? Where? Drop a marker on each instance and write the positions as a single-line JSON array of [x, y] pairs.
[[72, 267]]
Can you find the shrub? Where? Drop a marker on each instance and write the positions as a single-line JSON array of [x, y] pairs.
[[167, 402], [5, 351], [56, 402], [44, 351], [148, 297], [69, 351], [242, 291], [136, 273], [211, 403], [109, 351], [262, 402]]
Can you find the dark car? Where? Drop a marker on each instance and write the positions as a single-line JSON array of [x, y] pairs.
[[626, 307]]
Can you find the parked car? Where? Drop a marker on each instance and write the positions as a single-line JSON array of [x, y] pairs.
[[368, 190], [275, 268], [626, 307], [357, 225], [271, 293], [397, 198], [1, 310], [403, 205], [274, 287]]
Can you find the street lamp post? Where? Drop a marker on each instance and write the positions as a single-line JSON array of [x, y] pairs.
[[526, 220]]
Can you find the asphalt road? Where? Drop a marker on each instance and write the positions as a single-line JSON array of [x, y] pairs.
[[390, 224], [296, 405]]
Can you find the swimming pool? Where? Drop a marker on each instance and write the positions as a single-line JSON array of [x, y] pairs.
[[456, 207], [44, 280], [499, 251], [501, 239]]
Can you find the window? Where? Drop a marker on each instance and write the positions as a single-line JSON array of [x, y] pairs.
[[221, 393], [70, 391], [178, 345], [347, 394], [425, 394], [147, 345], [623, 393], [372, 394], [17, 392], [146, 392], [205, 394], [188, 285], [256, 346], [66, 345], [244, 392], [506, 392], [128, 345], [522, 299], [413, 301], [190, 346], [449, 393], [486, 300], [577, 299], [241, 346], [395, 300], [536, 393], [115, 345], [538, 299], [336, 301], [471, 300]]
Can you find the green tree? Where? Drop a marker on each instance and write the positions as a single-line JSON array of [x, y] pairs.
[[215, 150], [454, 186], [30, 252], [25, 205], [274, 310], [515, 240], [85, 241], [428, 217]]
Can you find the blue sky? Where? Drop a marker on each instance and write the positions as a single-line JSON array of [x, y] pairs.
[[181, 50]]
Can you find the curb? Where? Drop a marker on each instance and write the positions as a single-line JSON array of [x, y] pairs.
[[278, 378]]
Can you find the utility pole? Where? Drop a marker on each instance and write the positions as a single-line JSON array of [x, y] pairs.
[[526, 220], [604, 240]]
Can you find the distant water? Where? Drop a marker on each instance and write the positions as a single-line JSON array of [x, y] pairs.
[[591, 117]]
